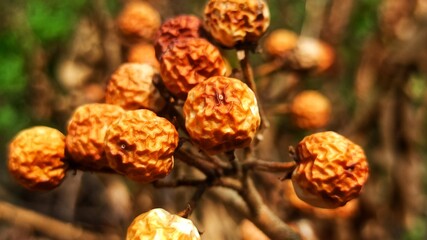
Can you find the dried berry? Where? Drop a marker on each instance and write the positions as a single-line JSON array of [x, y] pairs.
[[221, 114], [311, 54], [280, 42], [331, 170], [189, 61], [310, 110], [143, 53], [236, 22], [140, 145], [86, 131], [160, 224], [36, 158], [138, 21], [182, 26], [131, 87]]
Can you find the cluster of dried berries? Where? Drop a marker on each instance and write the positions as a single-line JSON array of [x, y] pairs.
[[331, 170], [221, 114], [160, 224], [310, 110]]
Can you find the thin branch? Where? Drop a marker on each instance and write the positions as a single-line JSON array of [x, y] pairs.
[[269, 166], [179, 183], [192, 204], [206, 167], [49, 226]]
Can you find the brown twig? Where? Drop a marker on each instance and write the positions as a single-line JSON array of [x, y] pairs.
[[49, 226], [192, 204], [204, 166], [269, 166]]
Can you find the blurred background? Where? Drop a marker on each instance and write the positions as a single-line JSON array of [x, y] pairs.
[[57, 55]]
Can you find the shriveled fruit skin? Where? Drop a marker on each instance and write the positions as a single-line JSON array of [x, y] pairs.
[[310, 110], [221, 114], [331, 170], [138, 21], [160, 224], [86, 132], [131, 87], [36, 158], [182, 26], [140, 145], [236, 22], [188, 62]]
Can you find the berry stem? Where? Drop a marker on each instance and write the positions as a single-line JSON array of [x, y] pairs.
[[270, 166]]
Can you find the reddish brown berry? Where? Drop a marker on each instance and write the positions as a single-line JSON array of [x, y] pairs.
[[143, 53], [138, 21], [160, 224], [182, 26], [310, 110], [221, 114], [235, 22], [280, 42], [131, 87], [331, 170], [189, 61], [140, 145], [86, 132], [36, 158]]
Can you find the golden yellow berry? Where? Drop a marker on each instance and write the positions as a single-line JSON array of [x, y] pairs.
[[189, 61], [221, 114], [331, 170], [280, 42], [312, 54], [131, 87], [138, 21], [143, 53], [36, 158], [310, 109], [182, 26], [86, 131], [236, 22], [160, 224], [140, 145]]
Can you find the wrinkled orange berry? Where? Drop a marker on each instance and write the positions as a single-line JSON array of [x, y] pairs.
[[280, 42], [235, 22], [140, 145], [312, 54], [331, 170], [36, 158], [189, 61], [182, 26], [221, 114], [160, 224], [86, 131], [310, 109], [138, 21], [346, 211], [143, 53], [131, 87]]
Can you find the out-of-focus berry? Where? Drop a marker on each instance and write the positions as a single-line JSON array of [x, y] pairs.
[[182, 26], [143, 53], [36, 158], [236, 22], [160, 224], [221, 114], [310, 109], [311, 54], [331, 170], [280, 42], [86, 131], [138, 21], [189, 61], [140, 145], [131, 87]]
